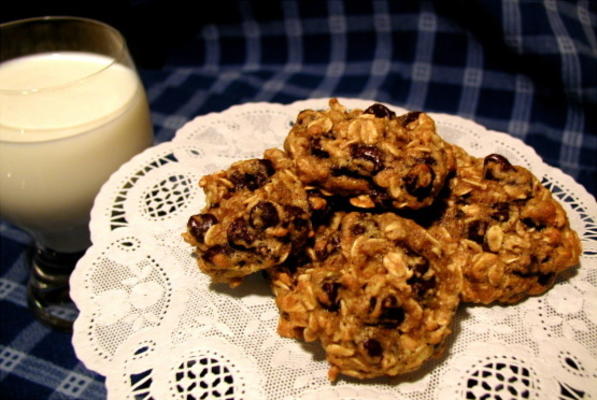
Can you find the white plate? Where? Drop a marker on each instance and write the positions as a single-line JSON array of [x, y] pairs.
[[156, 328]]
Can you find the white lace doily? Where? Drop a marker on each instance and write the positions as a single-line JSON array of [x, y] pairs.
[[158, 329]]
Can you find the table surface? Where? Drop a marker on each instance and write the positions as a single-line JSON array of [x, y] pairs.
[[528, 69]]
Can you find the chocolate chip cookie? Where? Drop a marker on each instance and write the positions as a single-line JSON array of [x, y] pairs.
[[257, 214], [373, 157], [516, 233], [379, 295]]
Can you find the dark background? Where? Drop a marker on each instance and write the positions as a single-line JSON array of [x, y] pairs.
[[149, 26], [154, 29]]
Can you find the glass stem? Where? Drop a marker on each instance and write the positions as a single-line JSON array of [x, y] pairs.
[[48, 288]]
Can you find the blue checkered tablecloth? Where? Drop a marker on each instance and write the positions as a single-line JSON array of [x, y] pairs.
[[528, 68]]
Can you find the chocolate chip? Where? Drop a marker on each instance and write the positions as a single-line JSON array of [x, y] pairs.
[[357, 229], [199, 224], [419, 181], [373, 347], [499, 159], [426, 160], [263, 215], [421, 286], [372, 303], [238, 234], [533, 224], [392, 315], [380, 111], [501, 211], [476, 231], [209, 254], [409, 117], [316, 148], [494, 165], [267, 166], [332, 244], [247, 181], [259, 175], [410, 182], [332, 303], [368, 153]]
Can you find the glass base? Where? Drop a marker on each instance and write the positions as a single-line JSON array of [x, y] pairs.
[[48, 288]]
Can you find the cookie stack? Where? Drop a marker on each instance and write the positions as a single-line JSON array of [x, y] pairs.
[[372, 230]]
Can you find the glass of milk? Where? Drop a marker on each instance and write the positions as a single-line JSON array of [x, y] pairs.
[[72, 110]]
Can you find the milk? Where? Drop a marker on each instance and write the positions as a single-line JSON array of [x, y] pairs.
[[60, 143]]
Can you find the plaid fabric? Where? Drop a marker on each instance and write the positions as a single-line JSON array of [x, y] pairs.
[[528, 68]]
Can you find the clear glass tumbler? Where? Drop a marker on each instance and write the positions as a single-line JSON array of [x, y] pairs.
[[72, 110]]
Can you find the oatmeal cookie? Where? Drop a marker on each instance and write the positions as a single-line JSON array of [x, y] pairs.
[[257, 214], [373, 156], [516, 233], [379, 295]]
